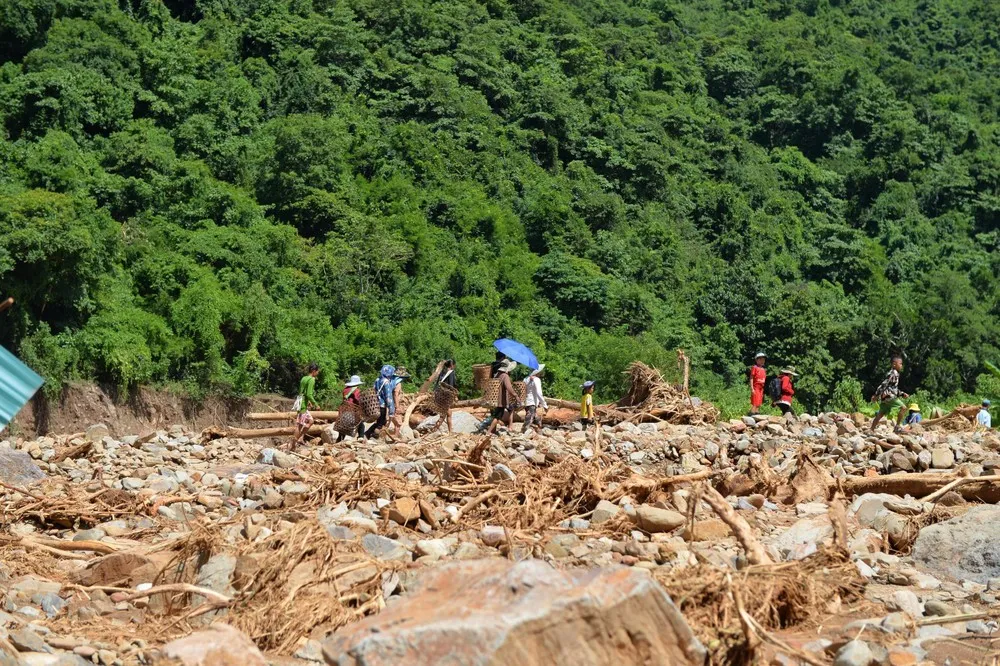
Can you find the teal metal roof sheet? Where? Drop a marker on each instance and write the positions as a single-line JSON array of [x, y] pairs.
[[18, 383]]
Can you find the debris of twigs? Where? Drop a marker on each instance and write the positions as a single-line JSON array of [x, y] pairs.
[[651, 398], [69, 506], [774, 596], [304, 581]]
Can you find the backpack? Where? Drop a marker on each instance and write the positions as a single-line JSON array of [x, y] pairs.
[[774, 388]]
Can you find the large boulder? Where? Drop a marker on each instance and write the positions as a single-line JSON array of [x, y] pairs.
[[18, 469], [964, 547], [495, 613], [219, 645]]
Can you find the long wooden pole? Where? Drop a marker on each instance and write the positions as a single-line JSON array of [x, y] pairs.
[[288, 416]]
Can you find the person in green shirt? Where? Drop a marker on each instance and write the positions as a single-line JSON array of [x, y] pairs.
[[305, 402]]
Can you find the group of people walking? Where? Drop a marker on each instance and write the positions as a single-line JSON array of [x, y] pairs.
[[888, 396], [388, 390], [387, 387]]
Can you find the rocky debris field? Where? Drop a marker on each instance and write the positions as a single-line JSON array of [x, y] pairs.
[[762, 539]]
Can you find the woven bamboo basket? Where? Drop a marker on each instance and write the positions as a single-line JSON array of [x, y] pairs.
[[481, 375], [369, 403], [349, 418], [491, 394], [444, 397]]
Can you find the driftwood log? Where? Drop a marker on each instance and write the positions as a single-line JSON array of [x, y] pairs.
[[982, 489], [289, 416]]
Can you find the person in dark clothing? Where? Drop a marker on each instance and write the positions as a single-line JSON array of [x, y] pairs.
[[508, 401], [445, 376]]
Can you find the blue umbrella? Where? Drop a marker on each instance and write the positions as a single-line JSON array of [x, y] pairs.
[[514, 350]]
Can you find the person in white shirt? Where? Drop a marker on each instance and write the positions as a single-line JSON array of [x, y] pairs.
[[534, 400], [983, 418]]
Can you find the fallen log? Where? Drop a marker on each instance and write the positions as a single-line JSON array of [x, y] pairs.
[[966, 411], [961, 481], [257, 433], [72, 452], [980, 489], [289, 416], [602, 410]]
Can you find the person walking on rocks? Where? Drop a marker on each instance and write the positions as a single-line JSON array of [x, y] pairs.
[[889, 397], [507, 402], [446, 377], [352, 397], [534, 400], [384, 390], [983, 418], [758, 376], [396, 386], [305, 401], [784, 402]]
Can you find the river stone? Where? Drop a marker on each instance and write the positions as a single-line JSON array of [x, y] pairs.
[[524, 614], [18, 469], [966, 547]]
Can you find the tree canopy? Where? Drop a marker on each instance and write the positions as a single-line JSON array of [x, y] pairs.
[[217, 192]]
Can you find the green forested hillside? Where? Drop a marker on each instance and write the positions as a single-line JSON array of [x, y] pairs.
[[214, 192]]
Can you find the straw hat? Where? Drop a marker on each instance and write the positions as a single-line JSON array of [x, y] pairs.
[[790, 370], [507, 365], [354, 381], [402, 372], [538, 370]]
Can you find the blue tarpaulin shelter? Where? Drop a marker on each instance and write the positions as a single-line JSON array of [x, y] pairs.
[[18, 383]]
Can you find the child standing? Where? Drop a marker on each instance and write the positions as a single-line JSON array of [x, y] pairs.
[[587, 403], [758, 376]]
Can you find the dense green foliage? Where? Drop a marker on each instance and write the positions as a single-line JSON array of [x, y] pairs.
[[216, 192]]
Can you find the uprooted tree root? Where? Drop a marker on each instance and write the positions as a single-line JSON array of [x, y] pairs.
[[651, 398], [295, 584], [71, 507], [776, 596], [304, 584]]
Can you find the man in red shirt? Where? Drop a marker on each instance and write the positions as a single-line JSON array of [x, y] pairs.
[[758, 375]]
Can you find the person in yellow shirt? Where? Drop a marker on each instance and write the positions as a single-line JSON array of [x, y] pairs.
[[587, 403]]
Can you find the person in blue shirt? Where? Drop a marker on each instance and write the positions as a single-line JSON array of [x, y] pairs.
[[387, 407], [913, 414], [983, 418]]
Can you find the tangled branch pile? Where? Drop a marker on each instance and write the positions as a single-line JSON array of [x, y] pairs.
[[651, 398], [775, 596]]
